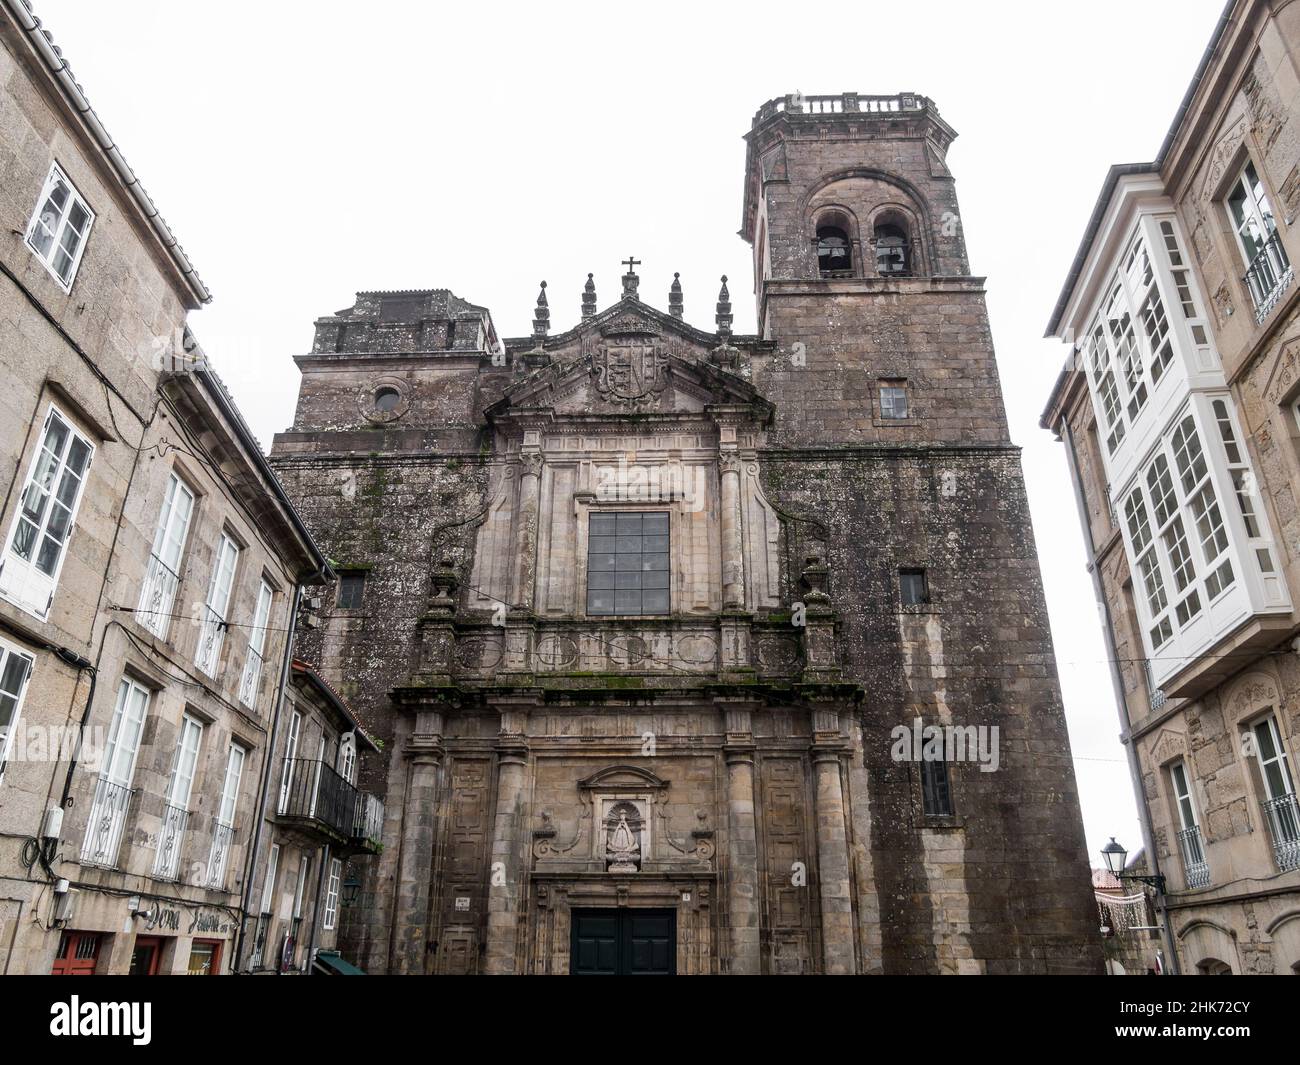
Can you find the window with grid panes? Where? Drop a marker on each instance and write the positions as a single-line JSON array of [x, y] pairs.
[[627, 563], [59, 227], [1193, 474], [1123, 339], [1103, 377], [1243, 485], [1148, 565]]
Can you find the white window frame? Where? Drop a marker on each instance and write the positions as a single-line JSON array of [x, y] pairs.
[[224, 828], [10, 657], [346, 760], [62, 225], [1280, 759], [107, 821], [300, 890], [330, 916], [1191, 842], [180, 786], [21, 580], [268, 884], [212, 629], [290, 753], [252, 674], [163, 574], [1186, 805]]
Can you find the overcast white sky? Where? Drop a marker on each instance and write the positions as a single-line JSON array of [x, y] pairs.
[[304, 151]]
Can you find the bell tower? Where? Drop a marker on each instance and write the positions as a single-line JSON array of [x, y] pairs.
[[860, 271]]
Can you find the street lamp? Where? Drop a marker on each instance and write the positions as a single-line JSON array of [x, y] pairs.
[[351, 888], [1115, 856]]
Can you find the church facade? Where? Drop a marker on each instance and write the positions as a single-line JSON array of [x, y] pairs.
[[698, 652]]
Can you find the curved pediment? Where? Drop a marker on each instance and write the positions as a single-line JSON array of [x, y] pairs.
[[622, 776]]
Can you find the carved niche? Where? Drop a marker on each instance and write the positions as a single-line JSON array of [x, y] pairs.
[[623, 829]]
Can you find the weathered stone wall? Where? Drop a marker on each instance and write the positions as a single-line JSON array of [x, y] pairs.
[[784, 835]]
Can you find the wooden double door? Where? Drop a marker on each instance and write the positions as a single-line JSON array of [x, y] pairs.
[[623, 943]]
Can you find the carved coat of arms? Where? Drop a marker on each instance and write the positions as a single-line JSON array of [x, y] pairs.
[[630, 371]]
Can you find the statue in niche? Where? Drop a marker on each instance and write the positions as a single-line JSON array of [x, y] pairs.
[[623, 838]]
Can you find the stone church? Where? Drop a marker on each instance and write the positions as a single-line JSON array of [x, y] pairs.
[[638, 609]]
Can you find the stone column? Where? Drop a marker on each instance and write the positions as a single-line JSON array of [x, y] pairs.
[[743, 907], [423, 753], [733, 558], [838, 942], [507, 873], [530, 480]]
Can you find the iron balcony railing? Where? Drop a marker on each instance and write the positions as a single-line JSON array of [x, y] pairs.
[[168, 862], [1268, 276], [249, 681], [1155, 696], [1196, 871], [157, 596], [1283, 816], [212, 635], [313, 791], [258, 959], [223, 835], [107, 823]]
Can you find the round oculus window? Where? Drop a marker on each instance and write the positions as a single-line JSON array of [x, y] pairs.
[[387, 399]]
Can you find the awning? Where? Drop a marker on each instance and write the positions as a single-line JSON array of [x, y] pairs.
[[331, 963]]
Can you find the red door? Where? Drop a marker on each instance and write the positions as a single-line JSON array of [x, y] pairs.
[[78, 952]]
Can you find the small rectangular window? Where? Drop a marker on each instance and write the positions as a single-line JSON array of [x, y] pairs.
[[351, 590], [60, 227], [627, 563], [913, 587], [893, 400], [936, 793], [332, 895]]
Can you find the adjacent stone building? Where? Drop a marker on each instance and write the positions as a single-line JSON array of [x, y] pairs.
[[319, 830], [1180, 410], [149, 568], [639, 610]]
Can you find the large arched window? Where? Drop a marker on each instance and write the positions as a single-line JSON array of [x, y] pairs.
[[834, 253], [893, 251]]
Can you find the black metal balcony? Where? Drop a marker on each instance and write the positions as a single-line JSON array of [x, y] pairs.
[[315, 797]]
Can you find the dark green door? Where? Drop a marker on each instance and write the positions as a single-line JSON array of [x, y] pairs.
[[623, 943]]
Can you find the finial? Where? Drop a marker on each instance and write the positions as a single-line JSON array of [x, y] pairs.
[[541, 316], [589, 299], [724, 316], [675, 297], [630, 280]]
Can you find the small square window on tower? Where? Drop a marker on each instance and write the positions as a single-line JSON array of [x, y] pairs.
[[893, 400], [914, 589], [352, 588]]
